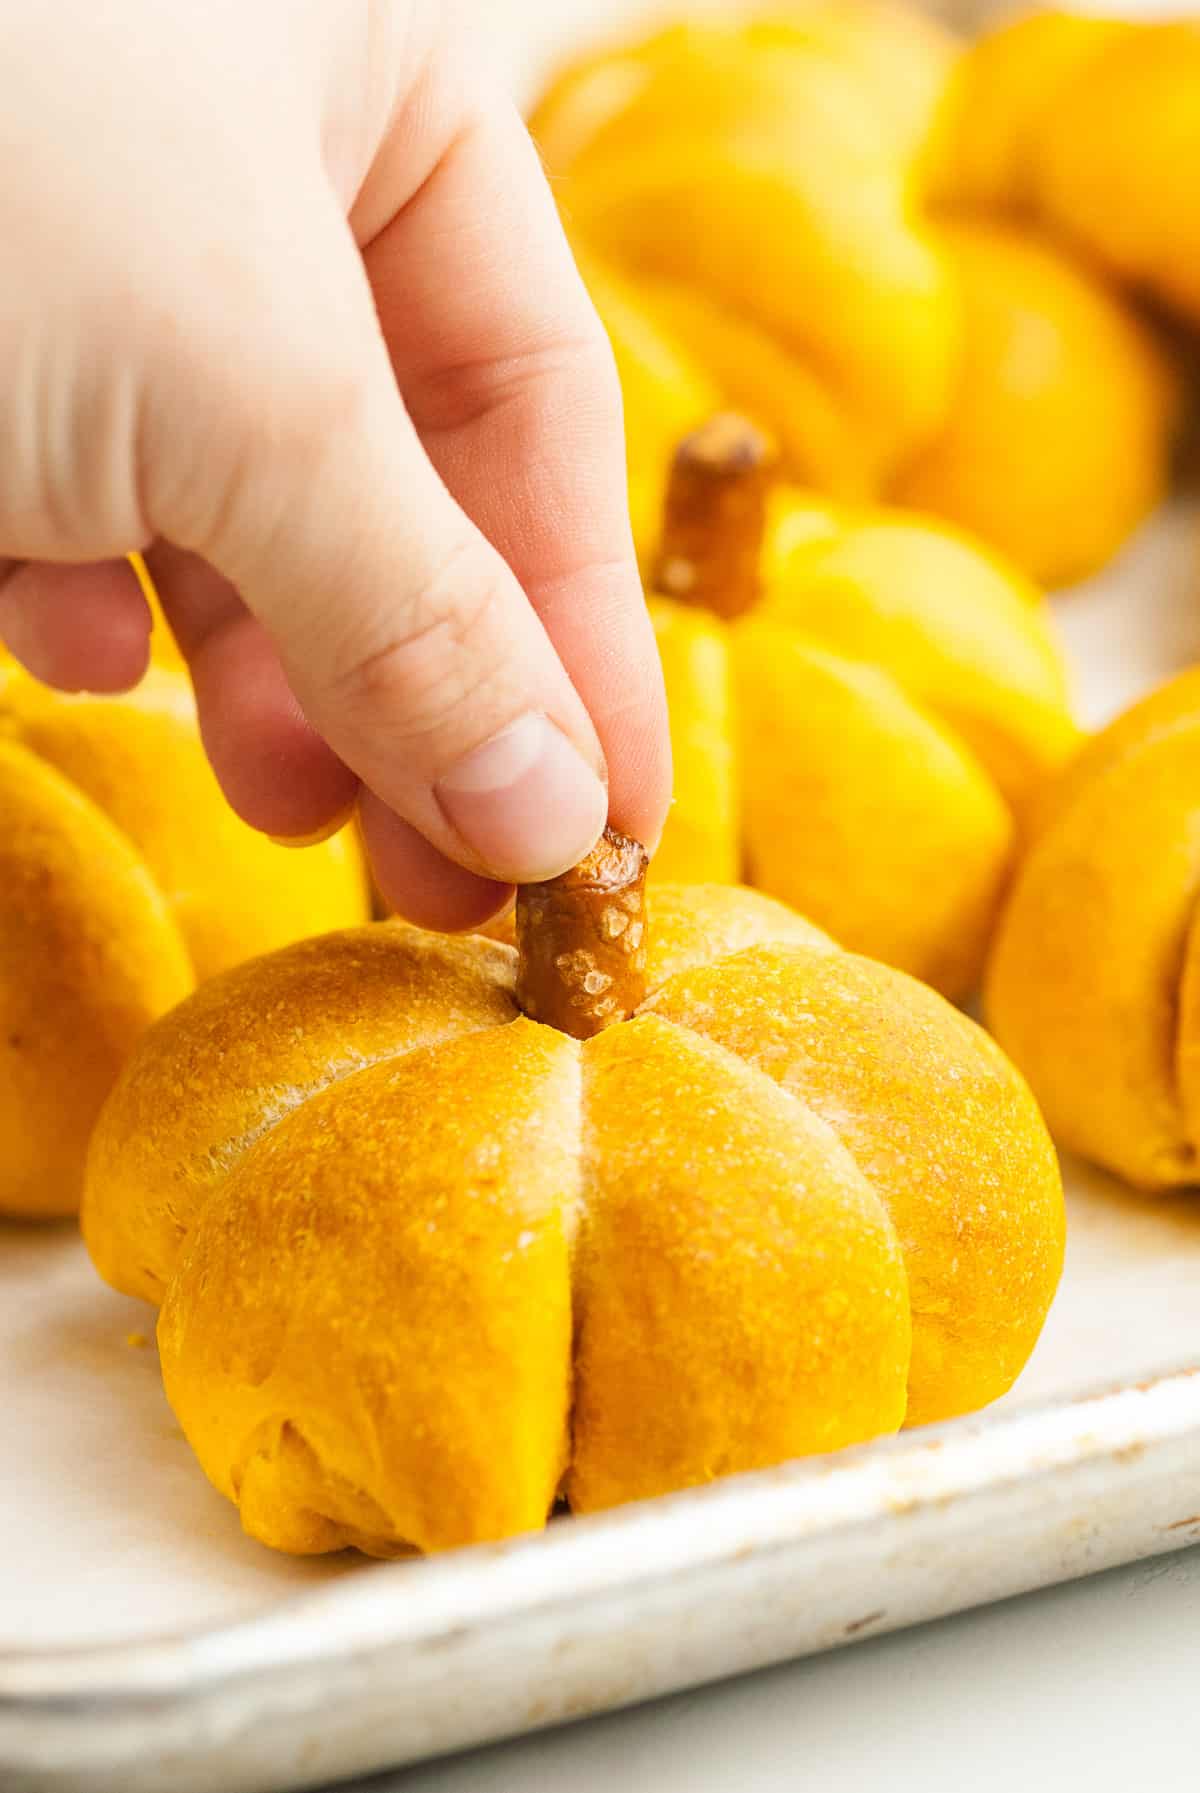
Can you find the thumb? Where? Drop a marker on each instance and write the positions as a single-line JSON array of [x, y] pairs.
[[406, 639]]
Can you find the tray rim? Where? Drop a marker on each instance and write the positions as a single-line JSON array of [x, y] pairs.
[[805, 1499]]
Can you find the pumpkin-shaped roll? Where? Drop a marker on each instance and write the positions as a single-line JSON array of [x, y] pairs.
[[1091, 125], [769, 214], [444, 1229], [124, 878], [1094, 983], [752, 181], [1063, 419], [863, 707]]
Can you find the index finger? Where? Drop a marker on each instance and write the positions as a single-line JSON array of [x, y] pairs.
[[508, 376]]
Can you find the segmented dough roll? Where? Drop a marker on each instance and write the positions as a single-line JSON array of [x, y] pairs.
[[425, 1262], [124, 878], [1094, 982]]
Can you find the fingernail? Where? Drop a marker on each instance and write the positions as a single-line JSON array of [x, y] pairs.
[[526, 802], [319, 835]]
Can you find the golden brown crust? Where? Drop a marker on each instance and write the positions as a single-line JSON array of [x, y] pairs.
[[940, 1123], [124, 879], [697, 924], [733, 1262], [904, 842], [90, 954], [581, 940], [716, 512], [228, 1064], [138, 757], [1091, 980], [357, 1359]]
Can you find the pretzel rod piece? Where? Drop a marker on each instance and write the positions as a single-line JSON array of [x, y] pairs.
[[715, 516], [581, 940]]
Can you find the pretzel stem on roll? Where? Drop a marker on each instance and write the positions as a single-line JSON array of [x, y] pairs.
[[581, 940], [715, 516]]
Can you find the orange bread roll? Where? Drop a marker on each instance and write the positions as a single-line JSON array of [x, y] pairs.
[[744, 194], [1091, 126], [426, 1263], [1064, 411], [863, 706], [894, 252], [124, 878], [1094, 980]]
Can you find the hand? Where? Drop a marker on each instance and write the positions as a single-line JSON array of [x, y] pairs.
[[287, 305]]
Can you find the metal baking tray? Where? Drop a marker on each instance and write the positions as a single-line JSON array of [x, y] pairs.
[[147, 1646], [407, 1661]]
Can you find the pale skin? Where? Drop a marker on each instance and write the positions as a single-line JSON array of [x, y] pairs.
[[288, 307]]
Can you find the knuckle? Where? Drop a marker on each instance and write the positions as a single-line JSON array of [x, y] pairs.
[[460, 394]]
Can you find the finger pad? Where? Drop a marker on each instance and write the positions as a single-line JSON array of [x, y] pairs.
[[275, 770], [418, 882], [79, 628]]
